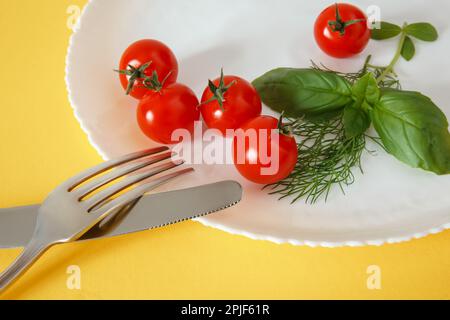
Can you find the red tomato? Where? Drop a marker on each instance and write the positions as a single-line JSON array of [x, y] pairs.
[[161, 112], [140, 60], [251, 159], [228, 102], [341, 30]]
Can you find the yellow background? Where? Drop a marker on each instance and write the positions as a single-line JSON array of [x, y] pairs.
[[42, 144]]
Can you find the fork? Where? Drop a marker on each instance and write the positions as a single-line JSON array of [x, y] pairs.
[[79, 203]]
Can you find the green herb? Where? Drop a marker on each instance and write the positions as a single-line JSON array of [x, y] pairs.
[[386, 31], [303, 92], [330, 112], [408, 49], [413, 129], [356, 115], [422, 30], [356, 121], [326, 158], [366, 92]]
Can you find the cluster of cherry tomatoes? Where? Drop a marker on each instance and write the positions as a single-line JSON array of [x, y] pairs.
[[148, 72]]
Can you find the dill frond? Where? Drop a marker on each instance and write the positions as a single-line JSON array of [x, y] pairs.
[[326, 158]]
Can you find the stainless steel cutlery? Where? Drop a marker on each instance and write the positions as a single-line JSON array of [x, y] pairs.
[[108, 200]]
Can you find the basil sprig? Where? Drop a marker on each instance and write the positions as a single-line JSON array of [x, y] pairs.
[[410, 126], [331, 112]]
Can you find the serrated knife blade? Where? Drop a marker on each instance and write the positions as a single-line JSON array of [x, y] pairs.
[[149, 212]]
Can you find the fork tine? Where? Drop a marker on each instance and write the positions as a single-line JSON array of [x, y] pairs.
[[90, 187], [90, 173], [138, 192], [99, 198]]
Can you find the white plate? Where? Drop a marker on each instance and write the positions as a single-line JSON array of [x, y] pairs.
[[389, 203]]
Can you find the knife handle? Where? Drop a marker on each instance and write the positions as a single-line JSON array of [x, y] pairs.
[[29, 255]]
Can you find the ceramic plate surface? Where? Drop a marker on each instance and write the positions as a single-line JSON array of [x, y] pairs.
[[390, 202]]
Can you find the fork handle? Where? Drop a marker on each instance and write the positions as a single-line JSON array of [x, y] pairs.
[[29, 255]]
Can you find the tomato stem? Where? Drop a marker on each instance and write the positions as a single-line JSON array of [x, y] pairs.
[[153, 82], [340, 25], [219, 91], [284, 129], [134, 74]]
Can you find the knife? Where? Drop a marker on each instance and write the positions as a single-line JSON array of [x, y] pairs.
[[148, 212]]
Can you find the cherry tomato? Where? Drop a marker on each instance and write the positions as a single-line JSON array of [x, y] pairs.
[[341, 30], [160, 113], [252, 155], [228, 102], [143, 58]]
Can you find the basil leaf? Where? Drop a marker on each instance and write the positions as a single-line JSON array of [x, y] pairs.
[[366, 89], [408, 49], [303, 92], [356, 121], [422, 31], [386, 31], [413, 129]]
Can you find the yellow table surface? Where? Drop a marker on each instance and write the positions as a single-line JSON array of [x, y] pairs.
[[42, 144]]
